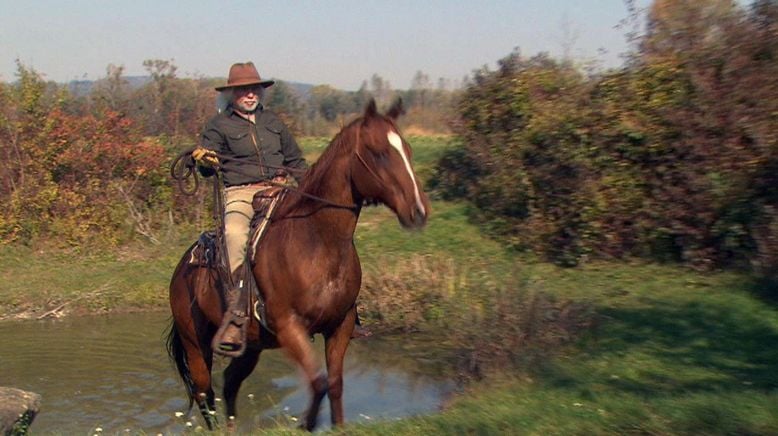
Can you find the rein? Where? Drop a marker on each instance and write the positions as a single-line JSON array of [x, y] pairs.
[[362, 160], [182, 169]]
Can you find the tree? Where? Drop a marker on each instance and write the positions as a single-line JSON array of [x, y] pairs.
[[381, 89], [283, 100], [687, 29], [157, 106], [111, 93], [672, 157], [420, 90], [329, 102]]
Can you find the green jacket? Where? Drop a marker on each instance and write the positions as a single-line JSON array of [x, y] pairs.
[[245, 148]]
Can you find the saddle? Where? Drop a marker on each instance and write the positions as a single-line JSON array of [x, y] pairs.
[[207, 251], [264, 204]]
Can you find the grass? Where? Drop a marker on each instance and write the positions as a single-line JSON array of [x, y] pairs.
[[61, 282], [426, 150], [669, 350], [675, 352]]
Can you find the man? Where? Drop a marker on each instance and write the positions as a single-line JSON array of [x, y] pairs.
[[252, 144]]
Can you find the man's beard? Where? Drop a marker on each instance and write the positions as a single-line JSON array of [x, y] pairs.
[[247, 108]]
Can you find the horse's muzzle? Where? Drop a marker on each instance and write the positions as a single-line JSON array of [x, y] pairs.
[[418, 217]]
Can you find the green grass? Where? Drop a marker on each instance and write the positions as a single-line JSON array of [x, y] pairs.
[[447, 231], [672, 351], [426, 150], [134, 278]]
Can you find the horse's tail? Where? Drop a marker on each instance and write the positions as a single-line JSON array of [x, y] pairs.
[[175, 349]]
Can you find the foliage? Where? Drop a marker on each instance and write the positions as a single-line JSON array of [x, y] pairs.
[[72, 178], [525, 160], [88, 165], [671, 157]]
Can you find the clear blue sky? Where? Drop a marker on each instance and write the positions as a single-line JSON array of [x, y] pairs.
[[335, 42]]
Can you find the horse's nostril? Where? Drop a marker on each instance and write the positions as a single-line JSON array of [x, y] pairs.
[[418, 216]]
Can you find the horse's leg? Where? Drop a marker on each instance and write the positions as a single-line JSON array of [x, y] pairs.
[[208, 406], [199, 360], [294, 340], [190, 336], [234, 374], [335, 349]]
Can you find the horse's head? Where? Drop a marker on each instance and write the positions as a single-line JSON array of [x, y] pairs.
[[383, 170]]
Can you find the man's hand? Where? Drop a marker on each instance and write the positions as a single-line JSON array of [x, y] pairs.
[[205, 157]]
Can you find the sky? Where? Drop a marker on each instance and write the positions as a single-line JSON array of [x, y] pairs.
[[335, 42]]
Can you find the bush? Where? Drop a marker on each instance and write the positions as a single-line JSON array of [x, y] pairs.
[[74, 179], [671, 157], [509, 325]]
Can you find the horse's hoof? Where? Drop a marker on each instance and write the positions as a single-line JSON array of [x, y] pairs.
[[231, 427], [307, 428]]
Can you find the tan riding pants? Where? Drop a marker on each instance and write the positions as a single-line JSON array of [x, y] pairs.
[[238, 212]]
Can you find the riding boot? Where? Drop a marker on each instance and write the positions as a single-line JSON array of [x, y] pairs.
[[230, 339]]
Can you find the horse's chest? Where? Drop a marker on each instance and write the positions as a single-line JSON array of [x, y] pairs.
[[329, 299], [335, 290]]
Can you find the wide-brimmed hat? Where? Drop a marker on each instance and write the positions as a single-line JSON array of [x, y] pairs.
[[242, 75]]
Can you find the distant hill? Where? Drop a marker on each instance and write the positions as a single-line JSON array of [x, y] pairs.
[[81, 88]]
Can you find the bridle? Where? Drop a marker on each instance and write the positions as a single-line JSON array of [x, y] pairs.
[[362, 160]]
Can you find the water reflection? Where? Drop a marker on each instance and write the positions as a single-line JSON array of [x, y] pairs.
[[112, 372]]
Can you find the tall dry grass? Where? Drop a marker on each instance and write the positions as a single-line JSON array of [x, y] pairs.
[[489, 322]]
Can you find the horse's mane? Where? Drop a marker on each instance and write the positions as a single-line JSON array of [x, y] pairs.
[[311, 183]]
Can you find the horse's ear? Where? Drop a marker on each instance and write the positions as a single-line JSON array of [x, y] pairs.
[[371, 110], [396, 110]]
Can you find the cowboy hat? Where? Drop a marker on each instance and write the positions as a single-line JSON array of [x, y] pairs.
[[242, 75]]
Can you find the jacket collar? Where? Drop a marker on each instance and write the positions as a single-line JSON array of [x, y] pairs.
[[231, 111]]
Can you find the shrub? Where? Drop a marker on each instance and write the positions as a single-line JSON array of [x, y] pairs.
[[670, 157], [508, 324]]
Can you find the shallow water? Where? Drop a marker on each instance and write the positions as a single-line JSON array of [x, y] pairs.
[[113, 372]]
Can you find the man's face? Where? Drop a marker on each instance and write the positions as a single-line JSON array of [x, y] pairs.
[[246, 98]]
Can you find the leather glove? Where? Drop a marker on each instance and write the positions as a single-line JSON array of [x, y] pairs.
[[205, 157]]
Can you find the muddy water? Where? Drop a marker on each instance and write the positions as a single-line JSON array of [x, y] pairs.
[[112, 373]]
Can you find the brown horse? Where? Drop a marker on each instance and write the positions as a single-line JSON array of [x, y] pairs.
[[307, 268]]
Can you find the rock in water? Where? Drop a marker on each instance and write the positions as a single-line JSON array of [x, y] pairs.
[[17, 410]]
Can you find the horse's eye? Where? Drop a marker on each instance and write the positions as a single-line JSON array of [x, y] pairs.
[[382, 158]]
